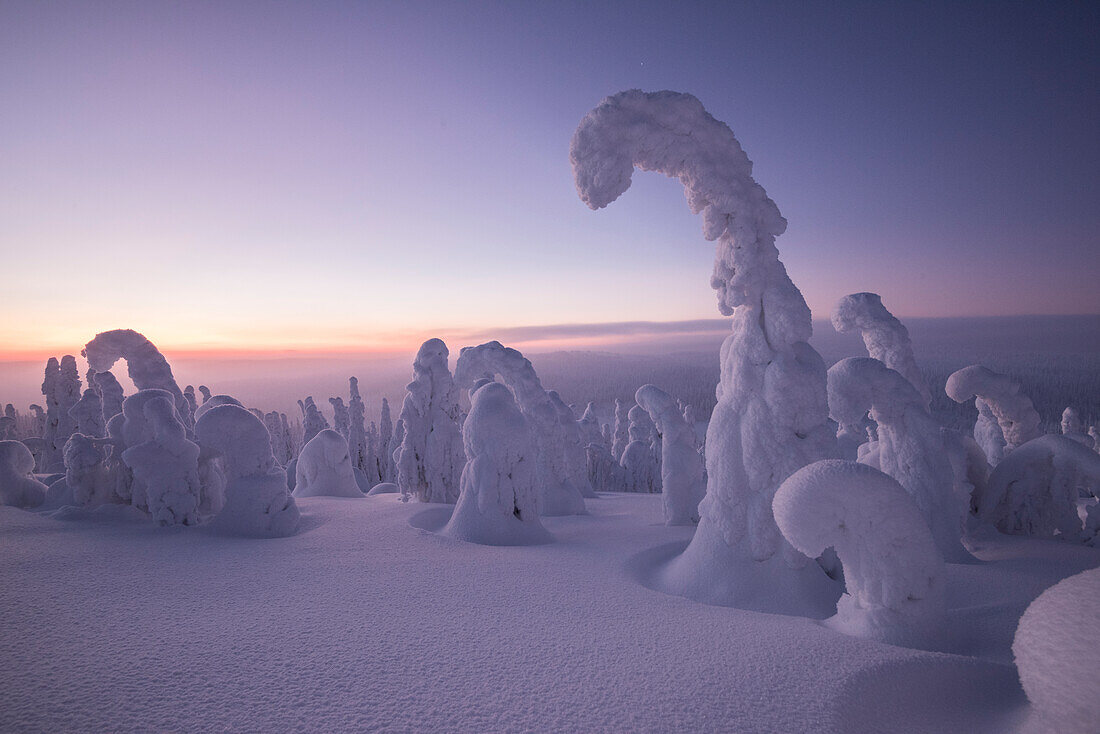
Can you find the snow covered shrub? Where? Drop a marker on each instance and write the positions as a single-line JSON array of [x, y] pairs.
[[910, 443], [893, 573], [682, 483], [18, 487], [1057, 652], [324, 468], [886, 338], [146, 366], [771, 417], [554, 476], [166, 464], [1015, 415], [429, 459], [498, 503], [257, 502], [1033, 491]]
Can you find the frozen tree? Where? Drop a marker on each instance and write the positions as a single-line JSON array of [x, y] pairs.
[[357, 431], [893, 573], [681, 465], [339, 416], [395, 444], [18, 487], [275, 423], [324, 468], [61, 387], [313, 422], [257, 502], [7, 428], [205, 392], [987, 433], [1033, 491], [1057, 651], [146, 366], [110, 394], [621, 436], [555, 474], [589, 426], [429, 460], [886, 338], [910, 443], [214, 401], [604, 473], [1074, 428], [38, 421], [386, 470], [639, 461], [86, 471], [771, 417], [576, 463], [87, 413], [497, 505], [1016, 416], [167, 465], [189, 396]]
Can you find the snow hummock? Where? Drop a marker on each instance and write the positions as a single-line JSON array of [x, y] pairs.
[[324, 468], [772, 417], [893, 573], [18, 486], [1057, 650], [682, 482], [498, 503]]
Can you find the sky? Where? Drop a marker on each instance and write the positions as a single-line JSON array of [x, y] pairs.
[[359, 176]]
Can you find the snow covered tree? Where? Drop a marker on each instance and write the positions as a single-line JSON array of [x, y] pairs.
[[1016, 416], [910, 443], [497, 505], [38, 420], [1074, 428], [641, 472], [313, 422], [146, 366], [205, 392], [87, 413], [339, 416], [61, 387], [110, 394], [555, 475], [166, 464], [893, 573], [682, 483], [621, 437], [86, 472], [357, 429], [573, 445], [430, 458], [771, 417], [589, 426], [324, 468], [386, 471], [18, 486]]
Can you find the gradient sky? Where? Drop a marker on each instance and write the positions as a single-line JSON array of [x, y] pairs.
[[334, 175]]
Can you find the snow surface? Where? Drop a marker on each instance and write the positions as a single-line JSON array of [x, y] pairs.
[[361, 622]]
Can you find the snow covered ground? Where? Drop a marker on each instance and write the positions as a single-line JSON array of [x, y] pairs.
[[368, 619]]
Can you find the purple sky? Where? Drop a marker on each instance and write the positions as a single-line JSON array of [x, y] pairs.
[[360, 174]]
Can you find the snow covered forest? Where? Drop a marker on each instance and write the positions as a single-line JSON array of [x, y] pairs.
[[782, 534]]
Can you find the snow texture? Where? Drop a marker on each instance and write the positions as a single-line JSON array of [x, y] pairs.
[[147, 367], [554, 473], [498, 504], [886, 338], [430, 458], [1016, 416], [910, 443], [893, 573], [257, 501], [324, 468], [1057, 651], [682, 482], [166, 464], [1033, 491], [771, 418], [18, 486]]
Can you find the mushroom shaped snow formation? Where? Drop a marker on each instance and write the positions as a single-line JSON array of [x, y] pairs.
[[61, 388], [1073, 427], [167, 464], [1057, 654], [324, 468], [497, 505], [146, 366], [87, 413], [886, 338], [214, 401], [86, 472], [893, 572], [313, 422], [1016, 416], [429, 458], [558, 494], [910, 444], [257, 502], [682, 480], [1033, 491], [771, 417], [576, 462], [621, 436], [18, 487], [110, 394]]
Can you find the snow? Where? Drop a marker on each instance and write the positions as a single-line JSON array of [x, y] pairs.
[[1015, 415], [893, 573], [1057, 650], [166, 464], [499, 500], [682, 482], [361, 622], [324, 468], [146, 366], [18, 486]]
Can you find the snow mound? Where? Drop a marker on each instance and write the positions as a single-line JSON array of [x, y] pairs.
[[498, 502], [892, 570], [18, 487], [1057, 650], [324, 468], [383, 488]]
